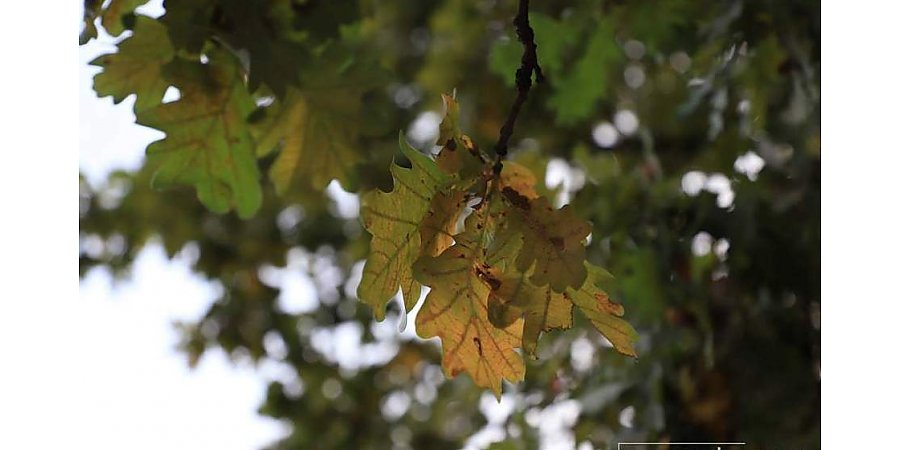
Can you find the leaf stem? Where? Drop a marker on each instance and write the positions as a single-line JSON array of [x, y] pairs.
[[528, 66]]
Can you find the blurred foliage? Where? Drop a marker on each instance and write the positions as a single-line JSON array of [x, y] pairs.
[[664, 109]]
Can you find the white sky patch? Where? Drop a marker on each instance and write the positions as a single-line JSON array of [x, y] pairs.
[[626, 121], [721, 248], [353, 279], [425, 128], [634, 76], [692, 182], [126, 385], [555, 424], [720, 185], [560, 173], [289, 218], [702, 244], [173, 94], [496, 414], [749, 164], [272, 370], [605, 134], [582, 354], [153, 8], [346, 203], [395, 405], [298, 291], [626, 417], [342, 344]]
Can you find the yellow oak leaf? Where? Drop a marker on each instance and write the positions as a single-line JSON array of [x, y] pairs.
[[318, 136], [553, 241], [456, 311], [393, 218]]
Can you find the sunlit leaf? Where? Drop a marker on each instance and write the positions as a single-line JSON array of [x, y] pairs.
[[456, 310], [603, 313], [393, 218], [439, 224], [459, 155]]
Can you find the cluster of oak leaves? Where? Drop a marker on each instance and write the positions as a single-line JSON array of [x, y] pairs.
[[503, 265]]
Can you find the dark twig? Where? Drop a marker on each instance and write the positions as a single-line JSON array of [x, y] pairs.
[[528, 66]]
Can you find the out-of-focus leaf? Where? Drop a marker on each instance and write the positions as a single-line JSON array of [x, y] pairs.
[[136, 67], [317, 133], [575, 93], [115, 16], [207, 143]]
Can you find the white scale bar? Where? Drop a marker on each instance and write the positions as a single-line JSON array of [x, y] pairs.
[[620, 444]]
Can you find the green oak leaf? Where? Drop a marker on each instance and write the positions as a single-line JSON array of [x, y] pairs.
[[207, 144], [137, 67], [393, 218], [115, 16], [575, 93]]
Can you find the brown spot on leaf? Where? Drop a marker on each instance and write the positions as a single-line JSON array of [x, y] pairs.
[[518, 200], [557, 242]]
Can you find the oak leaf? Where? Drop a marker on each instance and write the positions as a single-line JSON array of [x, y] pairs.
[[317, 136], [552, 241], [393, 219], [456, 311], [207, 143], [137, 67]]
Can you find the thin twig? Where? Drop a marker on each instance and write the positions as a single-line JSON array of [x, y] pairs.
[[529, 65]]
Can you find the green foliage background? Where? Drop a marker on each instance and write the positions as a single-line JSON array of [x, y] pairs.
[[729, 346]]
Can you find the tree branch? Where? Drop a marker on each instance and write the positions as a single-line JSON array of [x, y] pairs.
[[528, 66]]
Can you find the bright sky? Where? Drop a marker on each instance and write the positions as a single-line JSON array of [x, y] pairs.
[[102, 371]]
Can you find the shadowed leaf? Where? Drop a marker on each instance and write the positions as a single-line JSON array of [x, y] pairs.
[[136, 68], [553, 241], [207, 142]]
